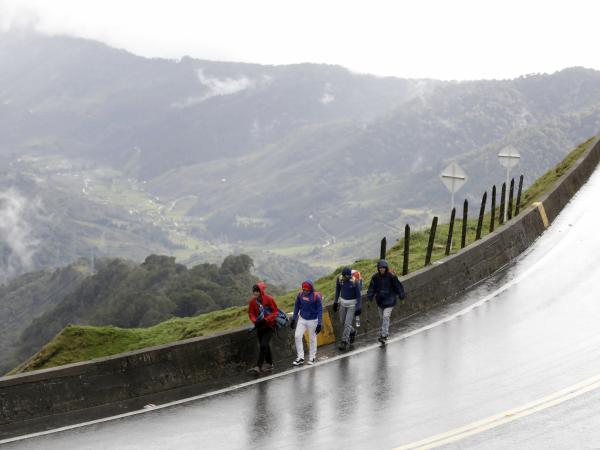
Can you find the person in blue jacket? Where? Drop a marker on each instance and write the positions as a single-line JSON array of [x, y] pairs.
[[385, 287], [309, 306], [347, 301]]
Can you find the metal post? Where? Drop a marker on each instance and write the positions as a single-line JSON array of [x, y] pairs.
[[406, 249], [383, 248], [450, 231], [518, 207], [463, 240], [493, 212], [501, 215], [431, 239], [510, 198], [481, 213], [506, 209]]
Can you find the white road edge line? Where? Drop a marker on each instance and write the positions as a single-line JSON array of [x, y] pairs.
[[287, 372], [505, 417]]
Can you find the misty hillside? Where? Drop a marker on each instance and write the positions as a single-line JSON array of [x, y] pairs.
[[309, 163]]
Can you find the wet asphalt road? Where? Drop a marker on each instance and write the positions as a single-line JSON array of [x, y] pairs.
[[530, 331]]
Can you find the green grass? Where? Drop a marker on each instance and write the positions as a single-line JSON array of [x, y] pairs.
[[81, 343], [546, 181]]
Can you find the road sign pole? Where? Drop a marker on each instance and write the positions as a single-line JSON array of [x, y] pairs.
[[453, 177], [508, 157]]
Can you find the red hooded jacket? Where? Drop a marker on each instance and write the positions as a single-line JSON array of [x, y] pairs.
[[267, 302]]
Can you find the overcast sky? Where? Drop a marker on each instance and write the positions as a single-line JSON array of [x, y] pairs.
[[447, 40]]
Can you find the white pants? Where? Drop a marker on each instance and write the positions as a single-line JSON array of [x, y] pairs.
[[310, 326]]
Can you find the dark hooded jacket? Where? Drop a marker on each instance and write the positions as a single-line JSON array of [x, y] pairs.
[[385, 288]]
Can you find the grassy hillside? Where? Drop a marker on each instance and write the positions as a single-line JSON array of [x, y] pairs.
[[80, 343]]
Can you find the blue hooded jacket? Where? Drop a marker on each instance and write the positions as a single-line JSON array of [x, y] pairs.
[[309, 307]]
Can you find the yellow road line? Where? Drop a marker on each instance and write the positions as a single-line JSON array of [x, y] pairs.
[[505, 417]]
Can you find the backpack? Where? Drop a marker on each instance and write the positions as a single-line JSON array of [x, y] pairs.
[[315, 296], [354, 279], [356, 276], [281, 320]]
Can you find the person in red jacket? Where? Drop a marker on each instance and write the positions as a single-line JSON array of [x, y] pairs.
[[262, 311]]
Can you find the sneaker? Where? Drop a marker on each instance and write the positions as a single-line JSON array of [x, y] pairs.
[[255, 370], [267, 367], [343, 346], [312, 361], [298, 361], [352, 337], [383, 339]]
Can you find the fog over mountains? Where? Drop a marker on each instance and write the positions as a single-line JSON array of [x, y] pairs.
[[301, 165]]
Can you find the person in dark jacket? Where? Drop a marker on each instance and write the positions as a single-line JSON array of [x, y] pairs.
[[385, 287], [309, 306], [262, 311], [347, 301]]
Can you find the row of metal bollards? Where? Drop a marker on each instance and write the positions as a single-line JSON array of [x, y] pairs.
[[463, 241]]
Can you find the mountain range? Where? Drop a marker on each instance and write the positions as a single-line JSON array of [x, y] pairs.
[[302, 166]]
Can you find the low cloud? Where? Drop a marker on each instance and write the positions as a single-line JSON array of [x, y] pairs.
[[16, 18], [327, 98], [218, 87], [18, 244], [223, 86]]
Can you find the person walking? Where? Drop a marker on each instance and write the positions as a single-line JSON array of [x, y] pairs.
[[308, 316], [262, 311], [347, 301], [385, 287]]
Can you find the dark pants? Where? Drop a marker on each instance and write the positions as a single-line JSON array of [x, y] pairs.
[[264, 337]]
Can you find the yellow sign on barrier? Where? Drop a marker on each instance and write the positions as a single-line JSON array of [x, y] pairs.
[[542, 211], [327, 335]]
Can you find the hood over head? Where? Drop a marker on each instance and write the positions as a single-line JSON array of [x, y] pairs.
[[308, 285], [261, 287], [382, 264]]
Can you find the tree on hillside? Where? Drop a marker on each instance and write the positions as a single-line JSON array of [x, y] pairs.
[[240, 264], [128, 295]]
